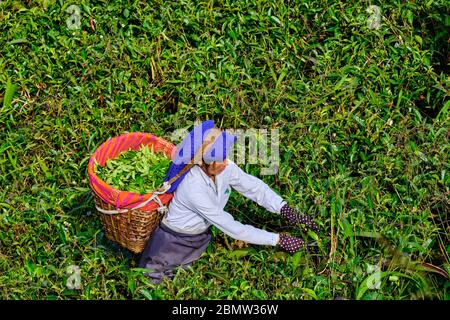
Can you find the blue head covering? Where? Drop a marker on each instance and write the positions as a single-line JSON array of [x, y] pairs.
[[186, 150], [220, 148]]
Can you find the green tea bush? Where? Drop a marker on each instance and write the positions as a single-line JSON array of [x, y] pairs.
[[360, 98]]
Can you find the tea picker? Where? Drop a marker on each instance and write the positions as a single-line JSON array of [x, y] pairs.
[[201, 191]]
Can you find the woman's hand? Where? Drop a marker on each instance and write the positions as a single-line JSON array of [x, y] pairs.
[[290, 244], [294, 218]]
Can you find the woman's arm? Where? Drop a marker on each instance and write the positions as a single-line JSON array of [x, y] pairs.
[[225, 222], [254, 189]]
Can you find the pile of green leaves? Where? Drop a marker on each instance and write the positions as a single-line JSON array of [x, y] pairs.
[[139, 171], [363, 115]]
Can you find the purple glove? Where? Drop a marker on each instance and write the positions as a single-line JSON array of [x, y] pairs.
[[294, 218], [290, 244]]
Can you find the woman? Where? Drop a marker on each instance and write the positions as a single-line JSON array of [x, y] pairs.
[[202, 191]]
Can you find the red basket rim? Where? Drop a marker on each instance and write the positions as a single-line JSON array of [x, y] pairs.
[[111, 149]]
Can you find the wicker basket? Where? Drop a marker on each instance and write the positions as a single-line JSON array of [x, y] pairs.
[[131, 228]]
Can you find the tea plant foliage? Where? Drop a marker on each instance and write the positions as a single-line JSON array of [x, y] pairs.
[[361, 103]]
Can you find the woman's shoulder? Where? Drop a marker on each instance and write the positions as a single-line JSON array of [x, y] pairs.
[[232, 170], [193, 181]]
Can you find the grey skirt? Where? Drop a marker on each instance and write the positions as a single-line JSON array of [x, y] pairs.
[[168, 249]]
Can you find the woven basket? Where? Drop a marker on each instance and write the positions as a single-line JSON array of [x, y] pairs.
[[133, 227]]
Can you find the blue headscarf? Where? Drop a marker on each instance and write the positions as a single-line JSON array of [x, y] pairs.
[[190, 145], [220, 148]]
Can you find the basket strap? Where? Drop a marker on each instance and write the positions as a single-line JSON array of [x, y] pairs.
[[212, 136], [154, 197], [110, 211]]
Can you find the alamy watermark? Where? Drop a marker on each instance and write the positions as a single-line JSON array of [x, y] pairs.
[[73, 22], [74, 279], [374, 20], [374, 280], [262, 145]]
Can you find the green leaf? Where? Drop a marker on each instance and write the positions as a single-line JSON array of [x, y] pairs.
[[9, 94], [313, 235], [346, 227], [370, 282], [369, 201], [418, 39], [296, 260], [30, 267], [18, 41], [44, 168], [241, 253], [310, 292], [131, 285], [146, 293], [218, 276], [443, 113], [276, 20]]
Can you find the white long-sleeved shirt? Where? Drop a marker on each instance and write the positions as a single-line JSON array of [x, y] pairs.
[[198, 203]]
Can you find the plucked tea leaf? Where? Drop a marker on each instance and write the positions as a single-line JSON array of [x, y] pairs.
[[139, 171]]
